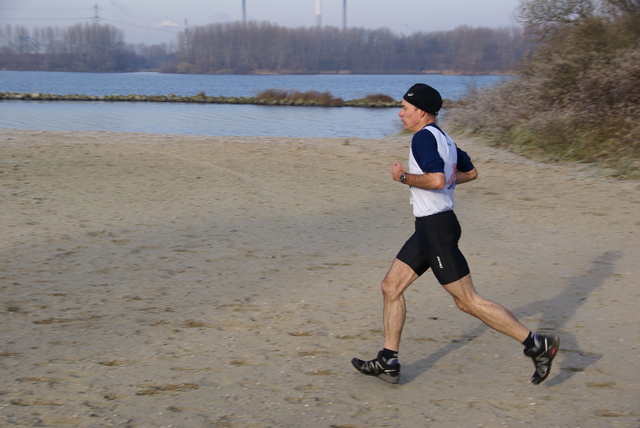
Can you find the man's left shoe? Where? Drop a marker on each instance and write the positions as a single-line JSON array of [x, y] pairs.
[[542, 355], [378, 367]]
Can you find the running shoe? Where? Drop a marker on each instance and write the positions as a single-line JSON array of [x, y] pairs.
[[378, 367], [542, 355]]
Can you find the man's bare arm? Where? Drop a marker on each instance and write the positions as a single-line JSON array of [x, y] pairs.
[[429, 181], [465, 177]]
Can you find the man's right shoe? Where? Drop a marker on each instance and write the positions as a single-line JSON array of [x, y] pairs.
[[542, 355], [378, 367]]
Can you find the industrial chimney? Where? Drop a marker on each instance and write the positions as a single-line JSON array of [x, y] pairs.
[[344, 14], [244, 12], [318, 13]]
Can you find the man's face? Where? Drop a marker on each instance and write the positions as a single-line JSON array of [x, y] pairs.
[[411, 117]]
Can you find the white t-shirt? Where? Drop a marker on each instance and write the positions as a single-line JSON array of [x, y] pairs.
[[432, 150]]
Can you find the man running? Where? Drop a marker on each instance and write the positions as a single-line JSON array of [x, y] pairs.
[[436, 165]]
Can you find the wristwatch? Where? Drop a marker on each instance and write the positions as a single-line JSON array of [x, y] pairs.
[[403, 178]]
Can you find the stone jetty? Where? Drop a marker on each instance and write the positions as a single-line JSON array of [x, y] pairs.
[[200, 99]]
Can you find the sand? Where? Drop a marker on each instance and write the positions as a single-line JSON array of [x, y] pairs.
[[189, 281]]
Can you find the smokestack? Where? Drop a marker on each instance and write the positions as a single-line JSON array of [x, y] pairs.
[[318, 13], [244, 12], [344, 14]]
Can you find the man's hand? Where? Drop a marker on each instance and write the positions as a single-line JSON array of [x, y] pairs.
[[429, 181], [397, 170], [465, 177]]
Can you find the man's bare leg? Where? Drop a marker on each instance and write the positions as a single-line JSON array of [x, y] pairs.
[[540, 348], [385, 366], [492, 314], [397, 280]]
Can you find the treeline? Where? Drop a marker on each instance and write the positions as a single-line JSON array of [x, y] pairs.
[[577, 95], [82, 47], [264, 47], [261, 47]]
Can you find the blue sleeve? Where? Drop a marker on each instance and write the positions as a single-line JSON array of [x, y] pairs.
[[464, 161], [425, 151]]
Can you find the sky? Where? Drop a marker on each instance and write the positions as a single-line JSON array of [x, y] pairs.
[[159, 21]]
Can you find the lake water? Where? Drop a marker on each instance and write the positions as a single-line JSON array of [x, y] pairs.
[[212, 119]]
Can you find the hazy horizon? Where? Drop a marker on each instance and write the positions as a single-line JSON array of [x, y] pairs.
[[159, 21]]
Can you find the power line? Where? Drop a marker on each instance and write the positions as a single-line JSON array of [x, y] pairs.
[[44, 10], [87, 18], [139, 26], [39, 10], [42, 19], [96, 18], [136, 25], [127, 15]]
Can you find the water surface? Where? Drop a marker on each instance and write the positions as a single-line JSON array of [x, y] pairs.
[[211, 119]]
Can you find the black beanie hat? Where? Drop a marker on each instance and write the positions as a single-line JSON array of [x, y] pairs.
[[424, 97]]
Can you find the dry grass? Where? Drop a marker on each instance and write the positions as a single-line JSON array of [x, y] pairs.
[[322, 98], [577, 98]]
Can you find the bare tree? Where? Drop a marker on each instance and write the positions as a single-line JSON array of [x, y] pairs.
[[544, 18]]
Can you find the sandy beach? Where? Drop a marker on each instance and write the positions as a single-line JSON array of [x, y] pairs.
[[190, 281]]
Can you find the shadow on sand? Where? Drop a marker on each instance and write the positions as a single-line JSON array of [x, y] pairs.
[[554, 313]]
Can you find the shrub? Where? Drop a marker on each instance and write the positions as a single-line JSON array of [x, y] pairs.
[[308, 97], [378, 98], [272, 94], [575, 98]]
